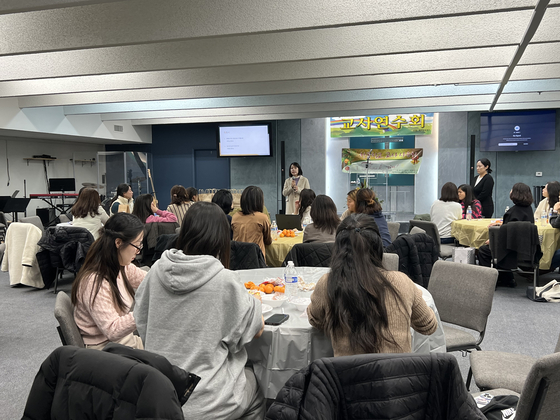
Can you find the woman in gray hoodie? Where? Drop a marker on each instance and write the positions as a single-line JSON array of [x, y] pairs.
[[195, 312]]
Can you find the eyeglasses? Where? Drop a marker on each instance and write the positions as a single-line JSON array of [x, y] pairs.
[[138, 248]]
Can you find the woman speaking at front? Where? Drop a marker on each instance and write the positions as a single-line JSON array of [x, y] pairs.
[[293, 187]]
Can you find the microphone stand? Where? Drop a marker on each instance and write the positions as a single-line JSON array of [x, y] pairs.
[[367, 167]]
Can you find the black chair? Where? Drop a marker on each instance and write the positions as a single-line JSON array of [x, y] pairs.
[[377, 386], [152, 231], [515, 247], [62, 248], [444, 251], [314, 254], [245, 256]]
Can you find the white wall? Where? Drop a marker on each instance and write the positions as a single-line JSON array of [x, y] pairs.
[[426, 190], [337, 182], [13, 162]]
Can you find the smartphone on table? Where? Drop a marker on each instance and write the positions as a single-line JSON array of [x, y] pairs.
[[276, 319]]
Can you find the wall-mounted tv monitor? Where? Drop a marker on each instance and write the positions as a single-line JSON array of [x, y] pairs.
[[517, 131], [242, 140]]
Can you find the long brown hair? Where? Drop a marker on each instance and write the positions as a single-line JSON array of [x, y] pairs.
[[102, 259], [357, 287], [88, 203], [323, 213]]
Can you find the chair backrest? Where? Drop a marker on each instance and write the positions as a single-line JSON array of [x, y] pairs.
[[527, 247], [313, 254], [64, 314], [463, 293], [431, 230], [390, 261], [34, 220], [245, 256], [393, 229], [63, 218], [541, 390], [415, 230]]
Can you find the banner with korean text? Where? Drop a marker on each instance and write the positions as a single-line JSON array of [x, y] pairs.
[[392, 161], [382, 125]]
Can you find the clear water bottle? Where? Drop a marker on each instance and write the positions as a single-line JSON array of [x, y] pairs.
[[469, 213], [543, 218], [291, 281], [549, 216], [274, 230], [305, 222]]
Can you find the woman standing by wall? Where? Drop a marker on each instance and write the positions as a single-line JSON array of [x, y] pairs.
[[483, 187], [293, 186]]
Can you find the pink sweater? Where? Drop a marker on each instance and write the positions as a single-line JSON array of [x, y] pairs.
[[162, 216], [103, 321]]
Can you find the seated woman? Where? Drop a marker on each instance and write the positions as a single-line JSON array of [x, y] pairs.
[[122, 202], [350, 203], [446, 210], [194, 311], [103, 291], [522, 199], [88, 213], [466, 199], [303, 205], [224, 200], [147, 211], [325, 221], [367, 203], [250, 224], [192, 195], [551, 191], [362, 307], [180, 202]]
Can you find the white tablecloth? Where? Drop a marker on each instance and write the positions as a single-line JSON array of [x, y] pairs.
[[283, 350]]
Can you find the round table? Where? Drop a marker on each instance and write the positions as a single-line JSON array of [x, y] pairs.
[[474, 233], [283, 350], [276, 252]]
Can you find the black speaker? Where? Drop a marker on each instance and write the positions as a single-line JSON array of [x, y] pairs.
[[47, 216]]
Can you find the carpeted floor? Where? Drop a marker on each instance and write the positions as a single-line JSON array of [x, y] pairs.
[[28, 334]]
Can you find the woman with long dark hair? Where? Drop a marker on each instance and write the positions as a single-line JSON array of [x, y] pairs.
[[483, 187], [103, 291], [250, 224], [87, 212], [180, 202], [147, 211], [466, 199], [446, 210], [362, 307], [194, 311], [293, 186], [551, 191], [368, 203], [122, 201], [303, 206], [325, 221]]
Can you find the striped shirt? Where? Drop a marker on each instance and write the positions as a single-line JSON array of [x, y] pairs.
[[180, 210]]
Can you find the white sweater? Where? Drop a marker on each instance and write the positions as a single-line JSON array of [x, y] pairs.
[[443, 213]]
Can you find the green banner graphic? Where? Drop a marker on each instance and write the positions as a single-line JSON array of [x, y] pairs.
[[382, 125], [392, 161]]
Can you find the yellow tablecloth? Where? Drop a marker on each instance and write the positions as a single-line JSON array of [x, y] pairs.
[[475, 232], [278, 249]]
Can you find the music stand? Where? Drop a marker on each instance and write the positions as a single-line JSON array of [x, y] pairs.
[[16, 205], [3, 201]]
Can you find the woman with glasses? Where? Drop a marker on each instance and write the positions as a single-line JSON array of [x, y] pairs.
[[104, 289]]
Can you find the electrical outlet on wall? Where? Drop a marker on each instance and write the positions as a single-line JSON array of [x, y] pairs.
[[538, 174]]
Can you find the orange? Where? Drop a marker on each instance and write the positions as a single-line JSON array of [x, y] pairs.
[[279, 289], [281, 235], [268, 289]]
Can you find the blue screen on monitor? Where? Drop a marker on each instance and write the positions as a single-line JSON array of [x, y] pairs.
[[517, 131]]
